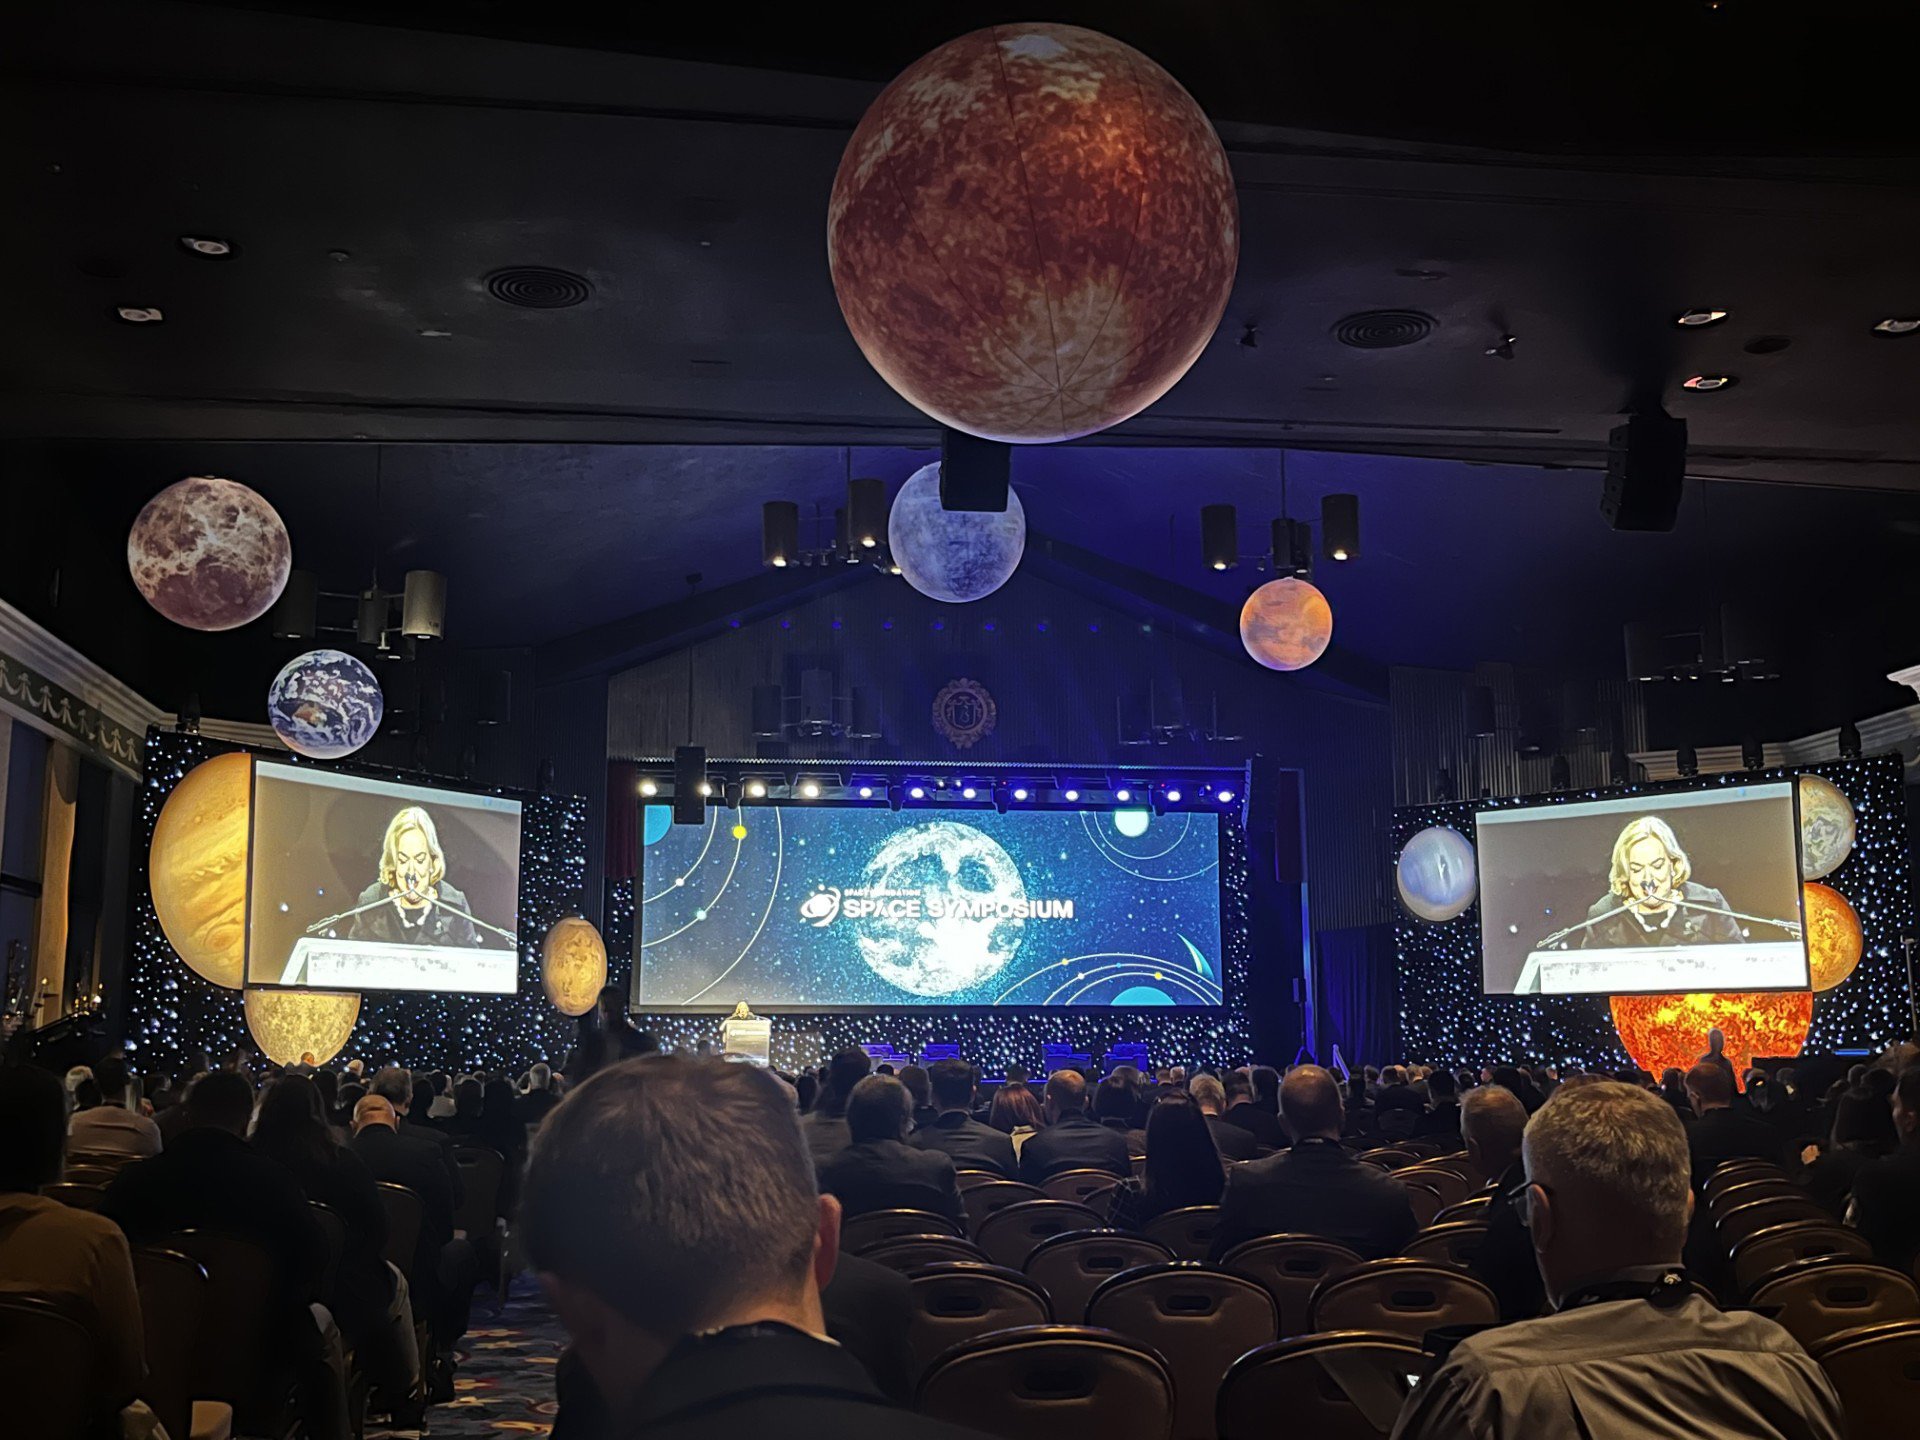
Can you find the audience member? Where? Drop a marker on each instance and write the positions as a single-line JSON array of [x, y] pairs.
[[1630, 1349], [1442, 1121], [825, 1126], [1114, 1106], [1358, 1118], [110, 1128], [1673, 1090], [1886, 1193], [1720, 1133], [395, 1085], [1515, 1080], [1317, 1187], [1245, 1111], [1015, 1113], [914, 1077], [1211, 1098], [971, 1145], [1716, 1055], [1491, 1124], [1266, 1092], [1863, 1131], [428, 1107], [1184, 1166], [878, 1170], [537, 1095], [464, 1123], [672, 1213], [1072, 1140]]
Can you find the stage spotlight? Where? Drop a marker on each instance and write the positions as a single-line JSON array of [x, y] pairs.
[[1848, 741], [648, 787], [779, 533], [757, 789], [1340, 527], [1753, 754], [810, 790], [1070, 795], [866, 512], [1174, 796], [866, 792], [1123, 796], [1219, 536], [1020, 792], [1226, 797], [917, 792], [1686, 760], [967, 792], [705, 788]]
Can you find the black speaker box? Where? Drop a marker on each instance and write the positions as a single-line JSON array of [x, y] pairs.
[[689, 774], [767, 709], [1646, 468], [973, 472]]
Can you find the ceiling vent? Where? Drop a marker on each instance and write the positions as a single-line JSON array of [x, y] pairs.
[[1383, 329], [535, 287]]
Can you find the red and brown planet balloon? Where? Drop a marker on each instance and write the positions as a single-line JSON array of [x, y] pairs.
[[1033, 232], [209, 554], [1286, 624]]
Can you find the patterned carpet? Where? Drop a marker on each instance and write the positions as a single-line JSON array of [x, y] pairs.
[[504, 1383]]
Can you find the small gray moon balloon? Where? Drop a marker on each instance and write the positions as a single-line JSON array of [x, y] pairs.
[[1826, 827], [953, 555], [1436, 875], [325, 704]]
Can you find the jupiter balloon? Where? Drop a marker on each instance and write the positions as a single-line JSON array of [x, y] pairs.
[[209, 554], [1662, 1031], [1286, 624], [197, 867], [573, 965], [1033, 232]]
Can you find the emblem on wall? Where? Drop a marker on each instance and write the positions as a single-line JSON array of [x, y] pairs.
[[964, 713]]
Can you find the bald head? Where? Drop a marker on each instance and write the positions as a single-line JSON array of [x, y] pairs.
[[1066, 1094], [1310, 1103], [1492, 1120], [373, 1110]]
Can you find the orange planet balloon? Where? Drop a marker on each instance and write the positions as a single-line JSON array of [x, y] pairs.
[[573, 965], [287, 1024], [1033, 232], [1662, 1031], [1286, 624], [197, 867], [1834, 941]]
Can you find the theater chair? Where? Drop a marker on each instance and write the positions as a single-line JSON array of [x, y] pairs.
[[79, 1197], [49, 1365], [970, 1178], [101, 1175], [910, 1252], [1454, 1243], [1009, 1236], [1736, 1224], [1071, 1266], [233, 1363], [1290, 1268], [482, 1173], [1747, 1191], [1767, 1252], [1390, 1157], [1188, 1232], [1199, 1318], [403, 1225], [1876, 1369], [860, 1233], [1474, 1207], [1739, 1172], [988, 1196], [1425, 1200], [1347, 1385], [173, 1297], [1817, 1299], [1452, 1185], [1403, 1297], [1044, 1382], [1079, 1186], [955, 1301]]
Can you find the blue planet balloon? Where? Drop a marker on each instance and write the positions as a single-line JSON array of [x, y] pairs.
[[325, 704], [1437, 876], [953, 555]]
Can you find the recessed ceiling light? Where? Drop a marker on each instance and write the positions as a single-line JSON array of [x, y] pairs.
[[207, 247], [1709, 382], [1697, 319], [139, 314], [1897, 325]]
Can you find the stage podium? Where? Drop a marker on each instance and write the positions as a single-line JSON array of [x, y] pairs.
[[747, 1035]]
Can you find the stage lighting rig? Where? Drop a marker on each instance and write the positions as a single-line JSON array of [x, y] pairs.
[[856, 534]]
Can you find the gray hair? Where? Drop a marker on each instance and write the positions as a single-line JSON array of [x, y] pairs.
[[1493, 1116], [1208, 1093], [1623, 1146]]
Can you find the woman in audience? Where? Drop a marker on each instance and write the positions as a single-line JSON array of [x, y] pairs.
[[1673, 1090], [423, 1097], [1015, 1113], [469, 1096], [1183, 1167], [1862, 1131]]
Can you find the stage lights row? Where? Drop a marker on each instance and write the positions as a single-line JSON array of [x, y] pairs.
[[959, 791]]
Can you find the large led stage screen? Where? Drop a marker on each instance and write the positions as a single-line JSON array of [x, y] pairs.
[[829, 908], [1691, 891]]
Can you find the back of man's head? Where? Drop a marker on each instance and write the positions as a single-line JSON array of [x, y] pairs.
[[1394, 1075], [1906, 1102], [1710, 1087], [1113, 1100], [1209, 1094], [1492, 1120], [110, 1074], [1066, 1092], [952, 1084], [1310, 1102], [914, 1077], [1266, 1084], [395, 1082], [1440, 1085], [880, 1108], [676, 1191], [373, 1110], [1017, 1075], [222, 1100], [1239, 1086], [33, 1128], [846, 1070]]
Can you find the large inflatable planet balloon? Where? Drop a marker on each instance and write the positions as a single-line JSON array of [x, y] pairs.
[[197, 867], [1033, 232], [1436, 875], [573, 965], [325, 704], [953, 555], [1826, 827], [1834, 940], [209, 554], [1286, 624], [1663, 1032], [288, 1025]]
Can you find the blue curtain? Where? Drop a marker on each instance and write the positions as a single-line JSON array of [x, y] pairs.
[[1359, 995]]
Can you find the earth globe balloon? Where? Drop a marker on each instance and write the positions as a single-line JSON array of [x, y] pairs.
[[953, 555], [573, 965], [289, 1024], [1033, 232], [197, 867], [209, 554], [1834, 938], [1286, 624], [325, 704], [1827, 827], [1436, 874]]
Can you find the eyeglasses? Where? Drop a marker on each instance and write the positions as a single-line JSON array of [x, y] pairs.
[[1520, 1197]]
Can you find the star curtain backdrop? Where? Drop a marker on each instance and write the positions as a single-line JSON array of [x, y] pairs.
[[171, 1010], [1444, 1017], [992, 1037]]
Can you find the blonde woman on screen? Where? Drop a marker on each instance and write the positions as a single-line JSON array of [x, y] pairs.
[[422, 908], [1651, 897]]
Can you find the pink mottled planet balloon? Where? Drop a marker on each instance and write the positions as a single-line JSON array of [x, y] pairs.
[[209, 554]]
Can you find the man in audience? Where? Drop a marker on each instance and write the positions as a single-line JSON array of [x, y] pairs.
[[1491, 1124], [1716, 1055], [536, 1096], [72, 1256], [825, 1126], [1317, 1187], [1886, 1193], [1229, 1139], [110, 1128], [1244, 1111], [395, 1084], [1630, 1349], [1114, 1106], [972, 1146], [1720, 1133], [672, 1214], [878, 1170], [1072, 1140], [914, 1077], [1442, 1119]]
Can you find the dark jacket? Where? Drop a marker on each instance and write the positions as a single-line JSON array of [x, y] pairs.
[[1684, 926], [405, 1160], [1441, 1123], [1886, 1206], [889, 1175], [1505, 1257], [1729, 1134], [363, 1287], [1230, 1140], [1263, 1125], [442, 924], [442, 1143], [1074, 1142], [972, 1145], [1316, 1188]]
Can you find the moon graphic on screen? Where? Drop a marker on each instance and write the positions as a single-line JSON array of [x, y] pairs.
[[941, 861]]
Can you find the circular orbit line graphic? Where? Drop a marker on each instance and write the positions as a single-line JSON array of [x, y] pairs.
[[713, 828], [725, 881], [1150, 962], [1167, 978], [1102, 844], [773, 893]]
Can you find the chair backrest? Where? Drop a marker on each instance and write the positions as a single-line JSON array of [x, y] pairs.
[[1474, 1207], [1074, 1264], [1876, 1369], [1404, 1297], [49, 1370], [335, 1229], [1188, 1231], [79, 1197], [112, 1161], [1290, 1268], [1817, 1299], [1049, 1381], [235, 1360], [1199, 1318], [860, 1233], [173, 1299], [404, 1213], [1390, 1157], [1737, 1223], [910, 1252], [955, 1301], [101, 1175], [1010, 1235], [1450, 1184], [1746, 1191], [1137, 1164], [1078, 1185], [1425, 1146], [1454, 1243], [1765, 1252], [970, 1178], [1738, 1172], [1425, 1201], [1348, 1385], [988, 1196], [482, 1172]]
